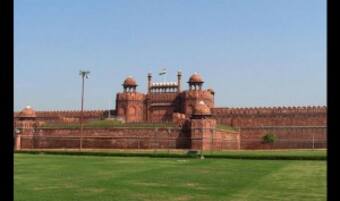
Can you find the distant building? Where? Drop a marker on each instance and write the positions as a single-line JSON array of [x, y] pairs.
[[161, 100], [198, 123]]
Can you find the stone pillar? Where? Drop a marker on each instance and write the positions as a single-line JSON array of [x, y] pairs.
[[202, 131]]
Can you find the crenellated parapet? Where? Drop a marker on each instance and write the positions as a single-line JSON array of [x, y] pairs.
[[70, 113], [269, 116], [270, 110], [64, 115]]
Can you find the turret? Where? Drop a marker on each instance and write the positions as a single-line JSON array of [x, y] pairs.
[[196, 94], [179, 77], [129, 84], [202, 127], [195, 82], [129, 104], [149, 82]]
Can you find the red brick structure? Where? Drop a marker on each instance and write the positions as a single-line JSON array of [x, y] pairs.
[[192, 110], [68, 115], [272, 116], [130, 104], [295, 127], [202, 127], [26, 120], [288, 137], [107, 138], [162, 99]]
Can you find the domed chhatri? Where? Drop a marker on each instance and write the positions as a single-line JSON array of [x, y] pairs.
[[130, 82], [201, 109], [195, 78], [27, 112], [195, 82]]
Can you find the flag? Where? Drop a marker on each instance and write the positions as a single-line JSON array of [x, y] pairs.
[[163, 72]]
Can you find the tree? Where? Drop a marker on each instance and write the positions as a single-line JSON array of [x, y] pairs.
[[269, 138]]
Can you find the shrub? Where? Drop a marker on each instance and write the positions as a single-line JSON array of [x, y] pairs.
[[269, 138]]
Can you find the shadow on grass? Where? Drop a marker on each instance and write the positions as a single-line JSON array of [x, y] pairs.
[[192, 154]]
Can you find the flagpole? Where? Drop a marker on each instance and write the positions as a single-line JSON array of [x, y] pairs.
[[164, 74]]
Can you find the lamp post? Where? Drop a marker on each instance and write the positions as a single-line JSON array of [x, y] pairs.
[[109, 115], [83, 74], [202, 155]]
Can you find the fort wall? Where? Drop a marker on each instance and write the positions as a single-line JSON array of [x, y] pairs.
[[113, 138], [122, 138], [288, 137], [295, 127], [272, 116], [225, 140], [60, 115], [236, 117]]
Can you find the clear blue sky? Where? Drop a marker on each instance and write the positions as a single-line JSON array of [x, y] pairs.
[[251, 52]]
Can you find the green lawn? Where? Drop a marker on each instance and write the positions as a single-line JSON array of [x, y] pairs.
[[316, 154], [113, 123], [108, 124], [43, 177], [290, 154]]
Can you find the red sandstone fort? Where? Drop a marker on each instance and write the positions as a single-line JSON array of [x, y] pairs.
[[192, 111]]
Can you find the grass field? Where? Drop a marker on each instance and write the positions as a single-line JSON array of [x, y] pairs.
[[117, 124], [107, 124], [43, 177], [178, 153]]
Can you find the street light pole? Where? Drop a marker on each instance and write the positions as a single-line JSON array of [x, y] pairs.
[[109, 111], [83, 74]]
